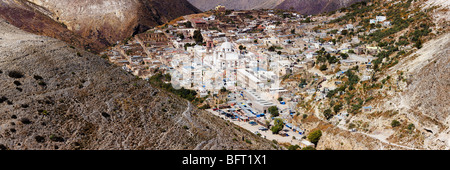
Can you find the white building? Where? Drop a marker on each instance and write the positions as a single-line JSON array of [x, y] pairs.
[[247, 80], [380, 18]]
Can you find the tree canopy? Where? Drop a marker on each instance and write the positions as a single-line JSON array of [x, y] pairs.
[[273, 110], [278, 126], [198, 36], [314, 137]]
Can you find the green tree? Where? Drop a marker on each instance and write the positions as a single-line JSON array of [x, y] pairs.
[[344, 32], [198, 36], [280, 99], [278, 126], [344, 55], [337, 108], [411, 126], [418, 44], [314, 137], [181, 36], [293, 147], [241, 47], [188, 24], [327, 114], [272, 48], [323, 67], [273, 110], [395, 123]]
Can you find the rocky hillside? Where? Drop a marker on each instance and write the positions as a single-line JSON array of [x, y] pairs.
[[407, 94], [206, 5], [314, 6], [35, 19], [422, 101], [54, 96], [424, 97], [102, 21]]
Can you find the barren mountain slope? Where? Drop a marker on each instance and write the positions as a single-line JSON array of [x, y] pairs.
[[108, 21], [206, 5], [57, 97], [314, 6], [33, 18], [425, 97]]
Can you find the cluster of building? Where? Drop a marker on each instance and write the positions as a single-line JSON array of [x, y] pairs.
[[247, 52]]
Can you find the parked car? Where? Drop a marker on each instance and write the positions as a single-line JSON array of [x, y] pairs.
[[263, 128]]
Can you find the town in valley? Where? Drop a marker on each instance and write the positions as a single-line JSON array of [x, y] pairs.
[[268, 71]]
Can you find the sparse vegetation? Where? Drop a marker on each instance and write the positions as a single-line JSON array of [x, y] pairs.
[[25, 121], [159, 79], [395, 123], [293, 147], [37, 77]]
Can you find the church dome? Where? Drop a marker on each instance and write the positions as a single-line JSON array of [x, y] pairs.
[[227, 45]]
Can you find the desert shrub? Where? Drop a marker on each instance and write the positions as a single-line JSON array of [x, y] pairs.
[[351, 125], [41, 83], [3, 147], [39, 139], [206, 106], [106, 115], [304, 116], [37, 77], [327, 114], [15, 74], [323, 67], [3, 99], [395, 123], [411, 126], [25, 121], [337, 108], [293, 147], [309, 148], [17, 83], [55, 138]]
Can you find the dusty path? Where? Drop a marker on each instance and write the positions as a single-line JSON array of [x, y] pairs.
[[185, 114]]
